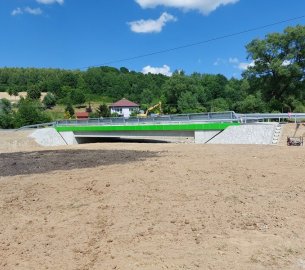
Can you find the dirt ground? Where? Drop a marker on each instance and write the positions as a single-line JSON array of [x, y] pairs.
[[152, 206], [292, 130]]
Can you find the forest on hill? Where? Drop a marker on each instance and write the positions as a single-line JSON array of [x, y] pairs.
[[274, 82]]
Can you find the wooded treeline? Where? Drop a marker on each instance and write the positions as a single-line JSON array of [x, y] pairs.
[[274, 82]]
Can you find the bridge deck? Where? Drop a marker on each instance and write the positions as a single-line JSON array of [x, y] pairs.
[[146, 127]]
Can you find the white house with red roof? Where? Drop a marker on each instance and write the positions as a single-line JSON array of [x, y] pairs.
[[124, 107]]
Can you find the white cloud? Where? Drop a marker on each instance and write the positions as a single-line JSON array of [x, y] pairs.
[[245, 66], [48, 2], [235, 62], [33, 11], [219, 62], [28, 10], [204, 6], [151, 26], [17, 11], [165, 70]]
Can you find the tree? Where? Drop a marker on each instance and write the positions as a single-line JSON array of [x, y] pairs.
[[147, 96], [49, 100], [5, 106], [219, 105], [77, 97], [6, 114], [34, 92], [278, 68], [6, 120], [181, 93], [30, 113], [69, 110], [13, 91], [70, 79], [251, 104], [188, 103], [103, 111]]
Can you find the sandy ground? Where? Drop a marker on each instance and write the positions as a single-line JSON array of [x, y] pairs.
[[14, 141], [17, 98], [152, 206], [292, 130]]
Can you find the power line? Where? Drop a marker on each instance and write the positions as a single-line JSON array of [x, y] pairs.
[[197, 43]]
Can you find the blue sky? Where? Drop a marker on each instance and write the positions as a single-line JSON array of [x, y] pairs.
[[75, 34]]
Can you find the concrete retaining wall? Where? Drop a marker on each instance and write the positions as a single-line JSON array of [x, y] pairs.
[[202, 137], [47, 137], [68, 137], [246, 134]]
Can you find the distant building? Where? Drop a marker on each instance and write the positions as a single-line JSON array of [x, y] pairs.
[[82, 115], [124, 107]]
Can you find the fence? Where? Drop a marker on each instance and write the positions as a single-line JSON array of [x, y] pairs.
[[175, 118]]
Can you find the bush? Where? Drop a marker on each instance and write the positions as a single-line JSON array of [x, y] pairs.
[[103, 111], [30, 113], [77, 96], [6, 120], [5, 106], [69, 111], [34, 93], [135, 113], [94, 115], [49, 100]]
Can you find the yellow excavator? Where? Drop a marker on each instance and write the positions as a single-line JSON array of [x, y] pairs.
[[159, 104]]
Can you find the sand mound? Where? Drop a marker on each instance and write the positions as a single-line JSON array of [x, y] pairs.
[[12, 140]]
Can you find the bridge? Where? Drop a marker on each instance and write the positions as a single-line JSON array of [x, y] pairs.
[[198, 128]]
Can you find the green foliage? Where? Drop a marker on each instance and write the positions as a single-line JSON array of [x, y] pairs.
[[49, 100], [30, 113], [77, 96], [34, 92], [69, 110], [219, 105], [12, 90], [5, 106], [103, 111], [188, 103], [279, 66], [298, 106], [135, 113], [6, 114], [147, 96], [6, 121], [94, 115], [251, 104]]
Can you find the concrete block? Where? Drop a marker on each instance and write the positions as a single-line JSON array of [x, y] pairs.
[[69, 137], [47, 137], [202, 137], [246, 134]]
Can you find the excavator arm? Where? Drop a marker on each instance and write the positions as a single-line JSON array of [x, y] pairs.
[[152, 108]]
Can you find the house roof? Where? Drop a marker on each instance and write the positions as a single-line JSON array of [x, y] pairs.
[[124, 103], [82, 114]]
